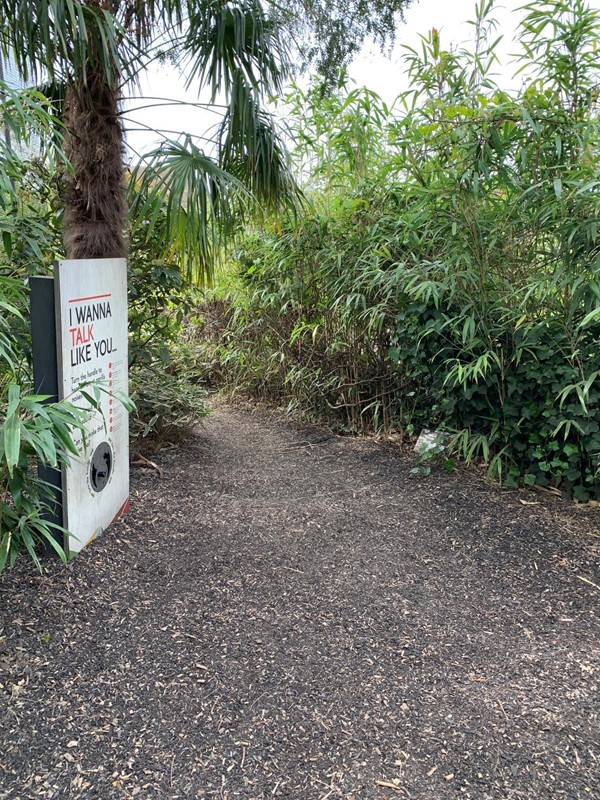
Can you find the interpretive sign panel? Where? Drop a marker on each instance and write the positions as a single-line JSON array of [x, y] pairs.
[[91, 333]]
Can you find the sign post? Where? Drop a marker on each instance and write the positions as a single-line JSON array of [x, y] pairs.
[[91, 346]]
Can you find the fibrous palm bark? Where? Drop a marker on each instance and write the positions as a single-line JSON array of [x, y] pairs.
[[95, 215]]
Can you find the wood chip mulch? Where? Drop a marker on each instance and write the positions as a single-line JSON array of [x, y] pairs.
[[290, 614]]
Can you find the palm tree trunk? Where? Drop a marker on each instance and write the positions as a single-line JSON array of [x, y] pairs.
[[95, 203]]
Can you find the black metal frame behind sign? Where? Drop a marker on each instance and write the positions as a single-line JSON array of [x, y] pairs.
[[45, 377]]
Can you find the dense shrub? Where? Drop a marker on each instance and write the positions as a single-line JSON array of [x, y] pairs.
[[447, 269], [167, 381]]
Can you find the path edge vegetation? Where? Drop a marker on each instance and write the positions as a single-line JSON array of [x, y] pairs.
[[446, 270], [65, 189], [442, 272]]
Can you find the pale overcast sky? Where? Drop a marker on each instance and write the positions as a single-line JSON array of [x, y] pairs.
[[384, 74]]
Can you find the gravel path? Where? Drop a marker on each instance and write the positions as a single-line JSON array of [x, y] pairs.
[[288, 614]]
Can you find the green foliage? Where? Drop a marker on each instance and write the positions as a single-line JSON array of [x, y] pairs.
[[447, 271], [166, 383], [74, 38], [170, 397], [330, 34], [31, 432]]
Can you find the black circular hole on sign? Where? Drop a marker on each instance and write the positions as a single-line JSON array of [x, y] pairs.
[[101, 466]]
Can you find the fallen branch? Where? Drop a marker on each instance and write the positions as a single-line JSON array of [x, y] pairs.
[[145, 463]]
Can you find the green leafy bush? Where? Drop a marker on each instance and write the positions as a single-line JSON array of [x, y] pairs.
[[169, 396], [165, 375], [32, 433]]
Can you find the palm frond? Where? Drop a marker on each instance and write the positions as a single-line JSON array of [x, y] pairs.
[[251, 150], [86, 51], [61, 39], [183, 192], [232, 39]]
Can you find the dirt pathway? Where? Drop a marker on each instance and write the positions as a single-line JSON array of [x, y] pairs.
[[292, 615]]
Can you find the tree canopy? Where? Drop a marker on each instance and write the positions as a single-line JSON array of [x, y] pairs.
[[89, 51], [329, 33]]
